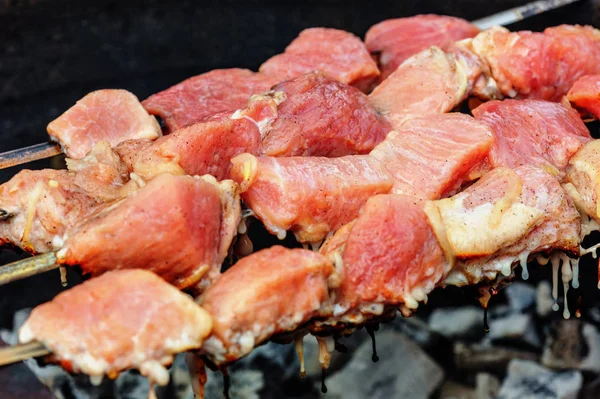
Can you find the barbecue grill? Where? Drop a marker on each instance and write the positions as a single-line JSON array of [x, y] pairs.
[[55, 52]]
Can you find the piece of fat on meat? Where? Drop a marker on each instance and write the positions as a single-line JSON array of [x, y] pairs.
[[533, 132], [585, 95], [336, 53], [390, 256], [428, 83], [504, 218], [433, 157], [318, 116], [207, 147], [126, 319], [178, 227], [103, 115], [392, 41], [40, 206], [538, 65], [272, 291], [221, 90], [583, 180], [309, 196]]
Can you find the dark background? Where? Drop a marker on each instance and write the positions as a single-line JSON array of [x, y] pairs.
[[54, 52]]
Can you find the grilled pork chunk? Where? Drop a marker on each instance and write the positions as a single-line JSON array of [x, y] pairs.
[[310, 196], [104, 115], [533, 132], [538, 65], [318, 116], [585, 95], [272, 291], [433, 157], [335, 53], [221, 90], [178, 227], [125, 319], [394, 40]]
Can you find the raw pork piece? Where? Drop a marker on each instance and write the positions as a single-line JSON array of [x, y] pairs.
[[104, 115], [318, 116], [208, 147], [394, 40], [179, 227], [585, 94], [428, 83], [269, 292], [391, 257], [533, 132], [539, 65], [504, 218], [311, 196], [216, 91], [433, 157], [335, 53], [121, 320]]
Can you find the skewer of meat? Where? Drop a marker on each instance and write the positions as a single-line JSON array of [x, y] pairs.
[[228, 89], [124, 319], [103, 115], [117, 114], [412, 246], [313, 196], [179, 227]]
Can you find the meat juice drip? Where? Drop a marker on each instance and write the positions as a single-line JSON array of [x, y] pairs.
[[567, 275], [555, 264], [197, 370], [151, 392], [523, 260], [575, 266], [323, 386], [226, 383], [371, 331], [63, 276], [592, 250], [341, 348], [300, 351], [326, 346]]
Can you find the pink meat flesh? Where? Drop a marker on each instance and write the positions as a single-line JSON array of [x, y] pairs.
[[433, 157], [176, 223], [391, 255], [532, 132], [430, 82], [585, 95], [207, 147], [394, 40], [247, 304], [335, 53], [539, 65], [216, 91], [123, 319], [311, 196], [104, 115], [321, 117]]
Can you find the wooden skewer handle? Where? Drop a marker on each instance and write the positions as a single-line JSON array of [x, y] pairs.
[[27, 267]]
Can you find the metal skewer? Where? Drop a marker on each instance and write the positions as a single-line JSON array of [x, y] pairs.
[[28, 267], [17, 353], [520, 13], [49, 149]]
